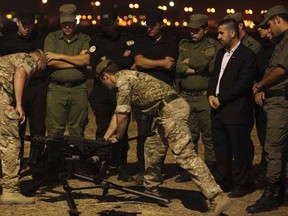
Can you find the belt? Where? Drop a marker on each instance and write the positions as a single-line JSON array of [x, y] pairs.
[[68, 84], [275, 93], [167, 100], [195, 93]]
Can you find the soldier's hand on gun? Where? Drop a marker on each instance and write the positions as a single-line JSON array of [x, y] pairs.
[[21, 114], [112, 139], [260, 98]]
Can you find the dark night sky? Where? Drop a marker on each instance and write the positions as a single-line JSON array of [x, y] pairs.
[[51, 8]]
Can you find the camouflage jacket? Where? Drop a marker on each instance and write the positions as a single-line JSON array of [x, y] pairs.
[[139, 91], [8, 66]]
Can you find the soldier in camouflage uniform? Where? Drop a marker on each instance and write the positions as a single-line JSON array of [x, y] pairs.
[[15, 69], [195, 58], [145, 93]]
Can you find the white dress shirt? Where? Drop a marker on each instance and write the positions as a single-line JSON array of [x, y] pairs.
[[224, 63]]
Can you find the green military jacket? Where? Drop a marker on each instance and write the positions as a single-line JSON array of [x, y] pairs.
[[201, 57]]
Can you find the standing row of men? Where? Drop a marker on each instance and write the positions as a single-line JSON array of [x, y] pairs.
[[226, 79]]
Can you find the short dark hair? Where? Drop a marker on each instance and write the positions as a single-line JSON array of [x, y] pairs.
[[231, 24]]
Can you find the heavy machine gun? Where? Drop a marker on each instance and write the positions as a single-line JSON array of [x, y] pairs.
[[75, 150]]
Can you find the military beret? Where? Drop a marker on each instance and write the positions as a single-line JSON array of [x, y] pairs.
[[198, 20], [101, 67], [275, 10], [67, 13], [108, 17], [27, 17], [154, 16], [238, 17]]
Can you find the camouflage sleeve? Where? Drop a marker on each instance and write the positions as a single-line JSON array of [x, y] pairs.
[[29, 65], [123, 96]]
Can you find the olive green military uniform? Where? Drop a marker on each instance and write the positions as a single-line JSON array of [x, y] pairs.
[[9, 136], [276, 107], [147, 94], [194, 88], [67, 100], [251, 43]]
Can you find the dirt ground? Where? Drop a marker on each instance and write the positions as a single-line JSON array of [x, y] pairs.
[[185, 198]]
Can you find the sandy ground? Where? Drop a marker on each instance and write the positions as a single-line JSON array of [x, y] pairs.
[[185, 198]]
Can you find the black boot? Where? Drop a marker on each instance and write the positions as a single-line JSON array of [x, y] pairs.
[[123, 175], [267, 202]]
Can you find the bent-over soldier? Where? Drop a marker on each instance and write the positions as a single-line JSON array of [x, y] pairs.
[[145, 93], [15, 69]]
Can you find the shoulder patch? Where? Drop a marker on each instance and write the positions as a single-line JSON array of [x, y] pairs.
[[130, 43]]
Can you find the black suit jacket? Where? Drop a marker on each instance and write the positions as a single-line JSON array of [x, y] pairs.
[[235, 92]]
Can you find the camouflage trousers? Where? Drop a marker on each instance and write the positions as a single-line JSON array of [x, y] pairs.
[[9, 143], [173, 131]]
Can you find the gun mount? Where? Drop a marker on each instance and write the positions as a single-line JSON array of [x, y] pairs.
[[74, 151]]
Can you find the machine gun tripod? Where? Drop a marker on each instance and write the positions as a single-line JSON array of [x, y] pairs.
[[75, 150]]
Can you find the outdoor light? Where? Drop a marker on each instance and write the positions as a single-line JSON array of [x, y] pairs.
[[171, 4]]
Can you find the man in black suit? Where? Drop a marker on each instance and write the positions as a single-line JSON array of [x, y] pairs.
[[230, 96]]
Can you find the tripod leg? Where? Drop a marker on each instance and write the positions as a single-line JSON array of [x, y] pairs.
[[70, 200], [107, 185]]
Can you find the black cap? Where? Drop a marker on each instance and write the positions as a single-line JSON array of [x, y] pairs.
[[154, 16], [27, 17], [108, 17]]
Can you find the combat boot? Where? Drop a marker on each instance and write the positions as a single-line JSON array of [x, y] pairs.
[[267, 202], [9, 197], [219, 204]]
